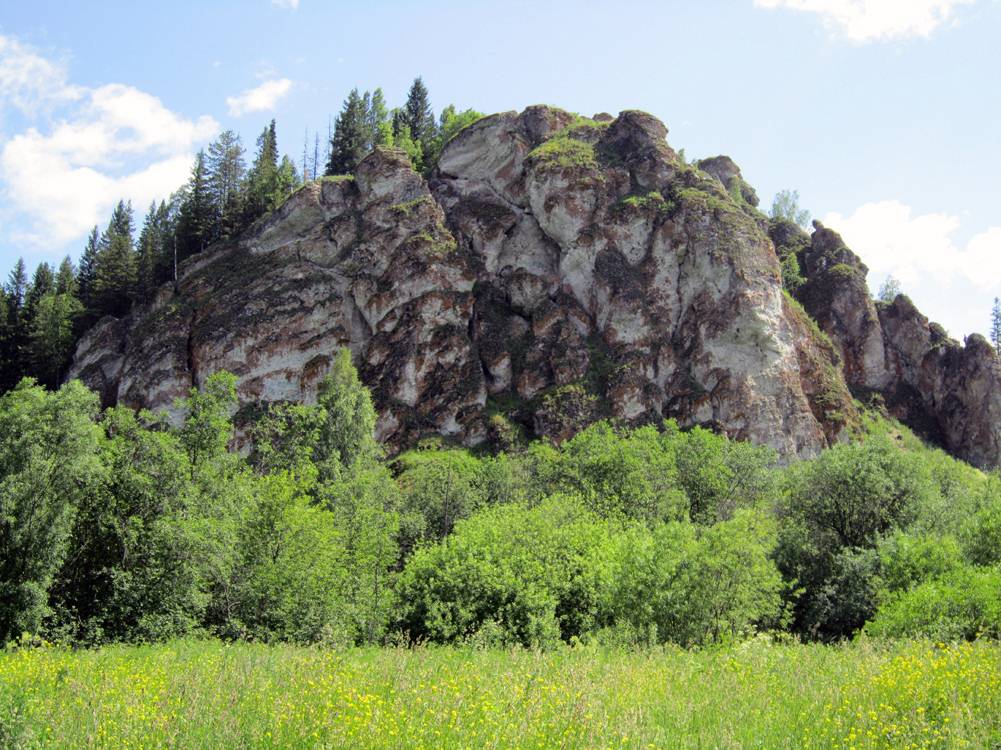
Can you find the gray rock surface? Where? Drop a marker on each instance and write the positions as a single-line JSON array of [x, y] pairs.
[[552, 271]]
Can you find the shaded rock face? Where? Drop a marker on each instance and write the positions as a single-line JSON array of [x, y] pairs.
[[553, 271], [947, 392]]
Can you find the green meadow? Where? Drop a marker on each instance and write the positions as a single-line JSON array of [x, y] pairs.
[[758, 694]]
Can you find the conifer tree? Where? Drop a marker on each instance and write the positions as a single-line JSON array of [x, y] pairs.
[[42, 282], [197, 222], [262, 178], [350, 141], [66, 278], [115, 269], [17, 286], [287, 180], [52, 337], [146, 253], [226, 172], [380, 130], [996, 325], [86, 274], [14, 329], [418, 115]]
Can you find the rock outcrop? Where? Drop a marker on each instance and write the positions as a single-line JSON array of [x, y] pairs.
[[554, 270], [947, 392]]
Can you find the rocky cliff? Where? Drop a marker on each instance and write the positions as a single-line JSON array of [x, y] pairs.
[[554, 270]]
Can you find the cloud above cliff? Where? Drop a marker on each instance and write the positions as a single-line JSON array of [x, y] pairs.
[[862, 21], [949, 279], [263, 98], [78, 149]]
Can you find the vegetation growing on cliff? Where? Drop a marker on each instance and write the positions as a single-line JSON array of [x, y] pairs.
[[116, 527], [43, 317]]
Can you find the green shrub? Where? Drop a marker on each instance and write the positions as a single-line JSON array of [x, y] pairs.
[[982, 535], [520, 575], [907, 559], [962, 605], [694, 585], [630, 474], [838, 504]]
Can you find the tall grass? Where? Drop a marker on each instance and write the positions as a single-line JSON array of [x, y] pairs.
[[193, 694]]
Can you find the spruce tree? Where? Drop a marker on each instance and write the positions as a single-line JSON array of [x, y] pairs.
[[66, 278], [86, 274], [146, 253], [380, 130], [261, 180], [115, 269], [17, 286], [15, 336], [418, 115], [42, 282], [226, 172], [996, 325], [197, 223], [350, 141], [286, 181]]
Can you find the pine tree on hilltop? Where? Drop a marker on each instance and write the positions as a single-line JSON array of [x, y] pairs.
[[66, 278], [88, 263], [380, 130], [197, 222], [996, 325], [349, 143], [115, 268], [262, 178], [418, 115], [15, 333], [43, 282], [226, 170], [17, 286]]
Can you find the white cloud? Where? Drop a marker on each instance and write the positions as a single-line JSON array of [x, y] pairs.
[[103, 144], [950, 281], [28, 81], [290, 4], [262, 98], [892, 240], [875, 20]]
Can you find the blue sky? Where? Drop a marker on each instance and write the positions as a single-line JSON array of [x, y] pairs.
[[885, 115]]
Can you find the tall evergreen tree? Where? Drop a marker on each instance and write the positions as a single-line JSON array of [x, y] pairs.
[[52, 338], [287, 180], [42, 282], [88, 265], [350, 141], [146, 253], [17, 287], [14, 332], [115, 269], [66, 282], [197, 222], [418, 115], [380, 130], [262, 178], [996, 325], [226, 172]]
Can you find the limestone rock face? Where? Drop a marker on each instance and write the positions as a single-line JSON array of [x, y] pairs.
[[552, 271], [947, 392]]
